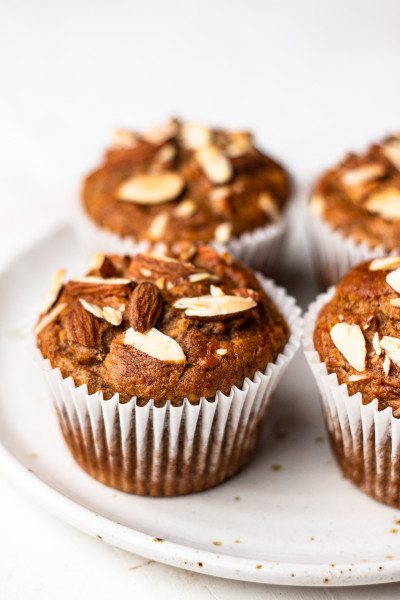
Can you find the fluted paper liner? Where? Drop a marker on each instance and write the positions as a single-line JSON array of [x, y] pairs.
[[174, 449], [258, 249], [365, 441], [335, 254]]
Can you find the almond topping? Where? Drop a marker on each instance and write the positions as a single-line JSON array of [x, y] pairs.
[[215, 165], [124, 139], [91, 280], [158, 226], [82, 326], [376, 344], [186, 208], [222, 351], [156, 344], [151, 189], [160, 283], [386, 365], [166, 154], [268, 204], [363, 174], [385, 203], [197, 277], [392, 152], [395, 302], [239, 143], [357, 377], [145, 306], [162, 133], [368, 323], [49, 317], [52, 294], [97, 261], [109, 314], [216, 292], [214, 308], [386, 263], [223, 233], [350, 342], [391, 346], [195, 136], [393, 279]]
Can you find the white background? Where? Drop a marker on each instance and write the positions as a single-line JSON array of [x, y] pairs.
[[312, 79]]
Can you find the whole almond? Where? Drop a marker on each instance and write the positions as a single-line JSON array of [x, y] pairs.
[[145, 306], [82, 326]]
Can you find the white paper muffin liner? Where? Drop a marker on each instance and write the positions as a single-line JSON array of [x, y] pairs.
[[258, 249], [171, 450], [335, 254], [365, 441]]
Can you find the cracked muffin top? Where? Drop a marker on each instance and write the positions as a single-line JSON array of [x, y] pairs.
[[184, 182], [357, 333], [159, 327], [361, 196]]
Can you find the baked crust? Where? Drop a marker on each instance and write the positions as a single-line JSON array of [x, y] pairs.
[[244, 191], [361, 196], [218, 350]]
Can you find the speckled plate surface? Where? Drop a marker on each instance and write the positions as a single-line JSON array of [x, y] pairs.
[[288, 518]]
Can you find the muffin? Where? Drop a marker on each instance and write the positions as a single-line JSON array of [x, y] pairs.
[[184, 182], [356, 209], [352, 341], [162, 368]]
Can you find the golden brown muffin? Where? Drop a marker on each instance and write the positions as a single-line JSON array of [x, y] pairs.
[[184, 182]]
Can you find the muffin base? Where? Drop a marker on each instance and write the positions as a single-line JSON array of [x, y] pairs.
[[365, 441]]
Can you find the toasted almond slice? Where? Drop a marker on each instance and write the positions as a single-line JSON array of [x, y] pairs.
[[186, 208], [158, 226], [392, 152], [350, 342], [49, 317], [212, 308], [220, 193], [222, 351], [268, 204], [216, 292], [96, 261], [124, 139], [156, 344], [166, 153], [52, 294], [151, 189], [376, 344], [146, 272], [160, 283], [393, 279], [386, 263], [215, 165], [385, 203], [99, 280], [357, 377], [223, 233], [239, 143], [395, 302], [368, 323], [363, 174], [197, 277], [195, 136], [317, 205], [386, 365], [109, 314], [161, 133], [391, 346]]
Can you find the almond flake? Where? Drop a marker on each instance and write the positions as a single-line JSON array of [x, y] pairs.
[[317, 205], [96, 261], [52, 294], [100, 281], [368, 323], [124, 140], [269, 206], [393, 279], [386, 365], [391, 150], [146, 272], [216, 292], [197, 277], [156, 344], [186, 208], [166, 154], [109, 314], [395, 302], [376, 344], [391, 346], [396, 413], [357, 377], [151, 189], [223, 233], [222, 351], [383, 264], [49, 317], [239, 143], [385, 203], [350, 342], [363, 174], [215, 165], [195, 136], [162, 133], [160, 283], [220, 193], [158, 226], [212, 308]]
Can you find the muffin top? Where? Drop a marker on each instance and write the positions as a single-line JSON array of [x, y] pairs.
[[159, 327], [184, 182], [357, 333], [361, 196]]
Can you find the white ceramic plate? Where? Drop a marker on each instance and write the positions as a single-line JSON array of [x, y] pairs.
[[288, 518]]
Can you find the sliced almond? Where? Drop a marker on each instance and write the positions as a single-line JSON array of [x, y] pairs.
[[357, 377], [385, 203], [363, 174], [391, 150], [124, 139], [220, 193], [162, 133], [239, 143], [101, 281], [391, 346], [216, 292], [160, 283], [109, 314], [384, 264], [156, 344], [186, 208], [197, 277], [151, 189], [395, 302], [53, 293], [269, 206], [166, 154], [368, 323], [317, 205], [214, 308], [376, 344], [386, 365], [350, 342], [393, 279], [49, 317], [222, 351], [96, 261], [158, 226], [195, 136], [223, 233], [215, 165]]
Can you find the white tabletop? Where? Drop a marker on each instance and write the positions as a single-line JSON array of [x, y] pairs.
[[312, 78]]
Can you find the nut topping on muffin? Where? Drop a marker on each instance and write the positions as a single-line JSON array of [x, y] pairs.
[[215, 164], [156, 344], [349, 340], [215, 307], [151, 188], [145, 306], [53, 293], [109, 314]]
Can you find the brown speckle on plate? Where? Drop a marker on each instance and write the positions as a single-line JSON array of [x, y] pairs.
[[276, 467], [217, 543], [158, 539]]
